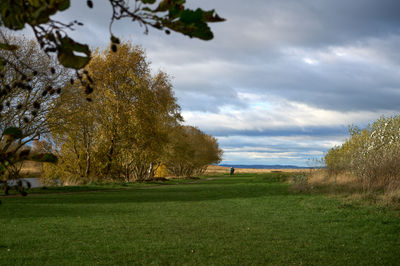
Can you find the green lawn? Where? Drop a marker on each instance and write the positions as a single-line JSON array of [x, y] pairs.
[[240, 220]]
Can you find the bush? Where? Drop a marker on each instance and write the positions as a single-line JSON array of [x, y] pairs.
[[371, 154]]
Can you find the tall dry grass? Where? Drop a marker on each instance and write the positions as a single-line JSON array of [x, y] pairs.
[[346, 184]]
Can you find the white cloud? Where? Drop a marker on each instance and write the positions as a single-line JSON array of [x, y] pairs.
[[277, 114]]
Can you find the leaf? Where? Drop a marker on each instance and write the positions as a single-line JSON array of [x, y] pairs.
[[69, 44], [8, 16], [14, 132], [45, 158], [166, 5], [115, 39], [66, 54], [8, 47], [190, 16], [148, 1], [198, 30], [192, 23], [89, 3], [14, 14], [35, 3], [70, 60], [64, 5], [211, 16]]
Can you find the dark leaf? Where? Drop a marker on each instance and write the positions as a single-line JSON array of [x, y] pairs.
[[88, 89], [66, 54], [14, 132], [211, 16], [189, 16], [9, 47], [115, 39], [89, 3], [36, 105], [24, 153], [45, 158], [63, 5], [148, 1]]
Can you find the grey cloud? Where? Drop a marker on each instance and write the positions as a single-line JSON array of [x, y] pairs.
[[251, 41], [275, 150], [282, 131], [342, 86], [255, 26], [316, 23]]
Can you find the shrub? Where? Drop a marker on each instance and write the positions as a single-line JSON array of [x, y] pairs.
[[371, 154]]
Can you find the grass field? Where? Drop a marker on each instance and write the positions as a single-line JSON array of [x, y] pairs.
[[240, 220]]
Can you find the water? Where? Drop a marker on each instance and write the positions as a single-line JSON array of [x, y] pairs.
[[278, 166], [35, 182]]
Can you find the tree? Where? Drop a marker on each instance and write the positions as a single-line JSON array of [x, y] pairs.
[[190, 151], [124, 131], [25, 104], [156, 117], [72, 132]]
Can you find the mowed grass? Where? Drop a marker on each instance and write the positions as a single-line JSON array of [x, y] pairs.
[[240, 220]]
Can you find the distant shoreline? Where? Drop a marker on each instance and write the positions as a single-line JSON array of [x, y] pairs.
[[224, 169], [242, 166]]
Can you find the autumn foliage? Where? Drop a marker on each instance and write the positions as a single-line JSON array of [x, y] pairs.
[[372, 155], [30, 82], [129, 128]]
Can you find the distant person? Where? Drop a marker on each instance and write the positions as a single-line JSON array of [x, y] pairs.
[[231, 171]]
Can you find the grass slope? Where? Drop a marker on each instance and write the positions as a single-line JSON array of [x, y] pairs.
[[240, 220]]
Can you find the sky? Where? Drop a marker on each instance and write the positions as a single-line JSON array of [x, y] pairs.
[[282, 79]]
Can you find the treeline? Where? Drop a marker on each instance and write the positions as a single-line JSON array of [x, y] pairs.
[[372, 155], [130, 125], [116, 121]]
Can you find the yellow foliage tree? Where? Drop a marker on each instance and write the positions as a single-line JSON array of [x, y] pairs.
[[123, 131], [190, 151]]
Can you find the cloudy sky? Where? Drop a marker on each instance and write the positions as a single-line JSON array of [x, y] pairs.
[[282, 79]]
